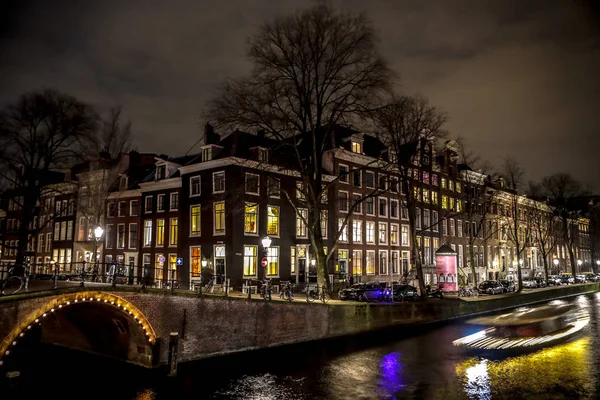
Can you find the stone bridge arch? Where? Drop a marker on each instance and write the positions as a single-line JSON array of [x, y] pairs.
[[95, 304]]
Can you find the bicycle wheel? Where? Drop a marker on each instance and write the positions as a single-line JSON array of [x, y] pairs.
[[12, 285], [476, 293], [325, 297], [310, 297]]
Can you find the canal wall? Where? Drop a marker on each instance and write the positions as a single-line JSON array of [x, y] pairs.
[[211, 326], [214, 326]]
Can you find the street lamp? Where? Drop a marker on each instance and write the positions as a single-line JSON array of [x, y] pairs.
[[98, 232], [555, 261], [266, 242], [204, 263], [579, 262]]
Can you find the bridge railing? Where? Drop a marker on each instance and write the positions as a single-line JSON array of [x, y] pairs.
[[32, 277]]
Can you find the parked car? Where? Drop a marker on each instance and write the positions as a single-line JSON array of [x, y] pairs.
[[591, 277], [554, 280], [371, 291], [351, 293], [490, 287], [567, 279], [580, 279], [541, 281], [509, 286], [405, 292], [530, 283]]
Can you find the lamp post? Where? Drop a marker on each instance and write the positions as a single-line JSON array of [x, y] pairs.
[[54, 267], [579, 263], [98, 232], [555, 261], [266, 242], [597, 265]]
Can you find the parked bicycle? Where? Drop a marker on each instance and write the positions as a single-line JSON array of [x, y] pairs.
[[265, 289], [14, 282], [316, 294], [468, 291], [286, 291]]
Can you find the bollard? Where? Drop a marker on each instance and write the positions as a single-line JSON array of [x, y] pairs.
[[55, 286], [82, 279], [173, 350], [248, 290], [226, 287]]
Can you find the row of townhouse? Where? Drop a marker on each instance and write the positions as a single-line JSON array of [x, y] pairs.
[[211, 211]]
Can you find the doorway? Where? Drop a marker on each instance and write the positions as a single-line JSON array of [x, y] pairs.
[[219, 269]]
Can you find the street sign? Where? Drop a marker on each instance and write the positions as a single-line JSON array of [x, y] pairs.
[[161, 259], [264, 262], [179, 261]]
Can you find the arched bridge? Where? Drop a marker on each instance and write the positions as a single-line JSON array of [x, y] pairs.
[[134, 324]]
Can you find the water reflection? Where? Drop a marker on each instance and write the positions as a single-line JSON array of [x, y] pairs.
[[558, 372], [391, 373], [421, 365]]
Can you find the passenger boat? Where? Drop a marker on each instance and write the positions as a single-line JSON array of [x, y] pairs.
[[525, 330]]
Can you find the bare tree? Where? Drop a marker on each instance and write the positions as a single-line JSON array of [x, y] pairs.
[[515, 215], [401, 125], [543, 225], [42, 131], [311, 71], [562, 191], [115, 135]]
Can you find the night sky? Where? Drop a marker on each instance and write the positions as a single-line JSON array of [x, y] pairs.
[[516, 77]]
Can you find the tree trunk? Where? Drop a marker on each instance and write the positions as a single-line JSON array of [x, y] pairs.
[[545, 257], [416, 251], [519, 273], [472, 263], [572, 258]]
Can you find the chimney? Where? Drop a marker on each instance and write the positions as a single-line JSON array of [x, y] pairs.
[[210, 137]]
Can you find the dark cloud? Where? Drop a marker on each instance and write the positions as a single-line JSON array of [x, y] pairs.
[[516, 78]]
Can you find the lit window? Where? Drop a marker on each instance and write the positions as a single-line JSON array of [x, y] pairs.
[[195, 220], [356, 147], [147, 233], [160, 232], [370, 262], [273, 261], [250, 260], [301, 218], [357, 259], [370, 232], [196, 257], [250, 217], [173, 231], [219, 217], [273, 220], [343, 228]]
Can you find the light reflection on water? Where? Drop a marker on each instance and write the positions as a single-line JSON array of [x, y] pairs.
[[419, 365]]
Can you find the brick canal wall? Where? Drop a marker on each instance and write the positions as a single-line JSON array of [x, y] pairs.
[[211, 326]]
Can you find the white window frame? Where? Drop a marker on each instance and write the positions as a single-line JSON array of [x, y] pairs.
[[171, 201], [137, 234], [346, 176], [119, 208], [192, 179], [250, 174], [357, 223], [215, 233], [124, 236], [146, 210], [385, 270], [397, 234], [158, 202], [387, 233], [347, 201], [386, 207], [200, 222], [214, 174], [398, 208]]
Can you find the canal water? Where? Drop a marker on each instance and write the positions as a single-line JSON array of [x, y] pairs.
[[411, 364]]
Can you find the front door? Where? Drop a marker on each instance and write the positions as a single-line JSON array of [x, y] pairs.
[[220, 269], [302, 276], [342, 265]]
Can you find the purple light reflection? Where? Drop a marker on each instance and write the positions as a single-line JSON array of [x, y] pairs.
[[391, 373]]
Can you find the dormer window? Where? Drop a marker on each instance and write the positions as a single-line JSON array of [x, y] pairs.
[[123, 183], [356, 147], [263, 154], [161, 172], [206, 154]]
